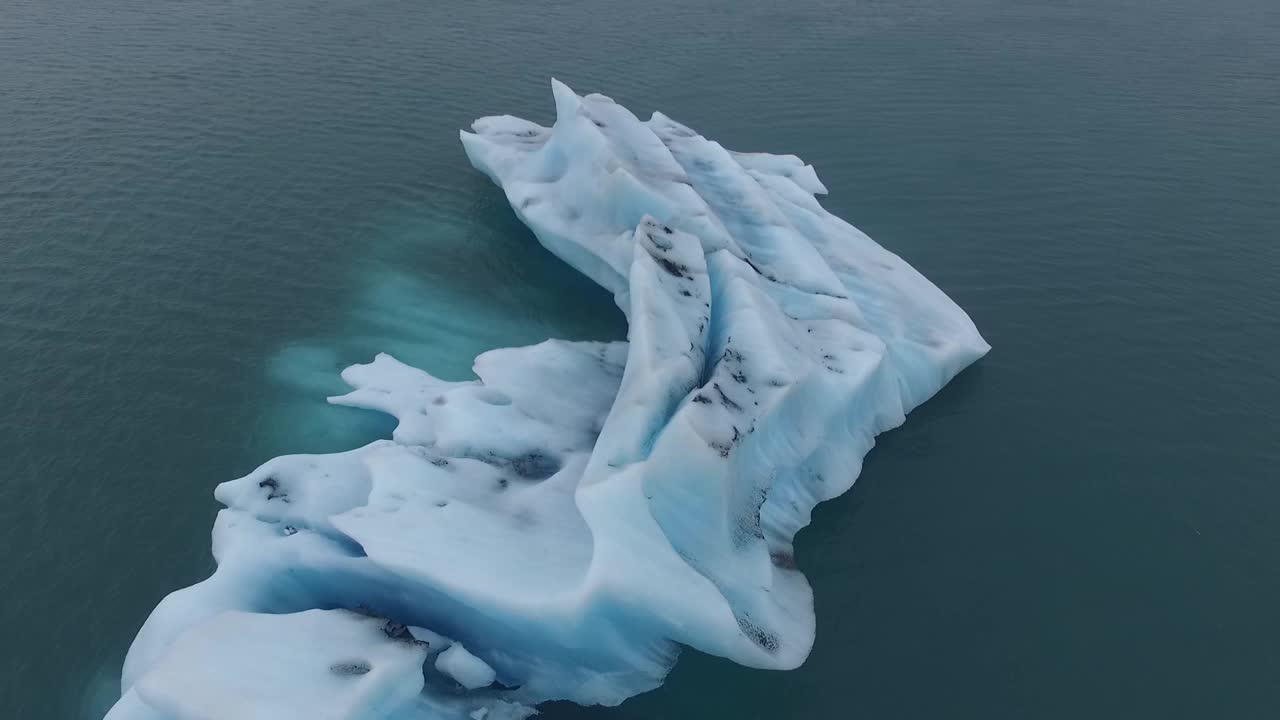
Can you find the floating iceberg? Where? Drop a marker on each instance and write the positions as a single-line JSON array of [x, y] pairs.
[[560, 527]]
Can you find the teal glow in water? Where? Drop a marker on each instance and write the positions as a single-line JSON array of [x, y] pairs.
[[207, 209]]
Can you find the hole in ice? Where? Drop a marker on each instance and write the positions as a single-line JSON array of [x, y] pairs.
[[672, 267], [350, 667], [535, 466], [440, 400], [398, 631], [273, 489]]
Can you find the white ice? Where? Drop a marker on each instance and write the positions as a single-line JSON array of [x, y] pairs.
[[470, 671], [312, 665], [561, 526]]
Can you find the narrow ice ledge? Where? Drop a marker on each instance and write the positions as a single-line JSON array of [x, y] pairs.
[[560, 527]]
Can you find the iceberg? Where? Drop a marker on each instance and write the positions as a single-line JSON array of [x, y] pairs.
[[559, 527]]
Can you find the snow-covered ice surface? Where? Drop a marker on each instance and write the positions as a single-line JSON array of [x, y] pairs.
[[560, 527]]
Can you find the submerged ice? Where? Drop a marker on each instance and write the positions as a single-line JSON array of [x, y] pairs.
[[559, 527]]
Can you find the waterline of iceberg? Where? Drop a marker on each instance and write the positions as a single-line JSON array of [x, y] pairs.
[[558, 528]]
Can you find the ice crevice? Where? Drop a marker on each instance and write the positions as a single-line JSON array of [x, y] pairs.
[[559, 527]]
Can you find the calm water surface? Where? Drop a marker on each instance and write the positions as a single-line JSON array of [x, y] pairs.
[[208, 208]]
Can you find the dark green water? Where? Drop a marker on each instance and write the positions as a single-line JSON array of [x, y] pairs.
[[208, 208]]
